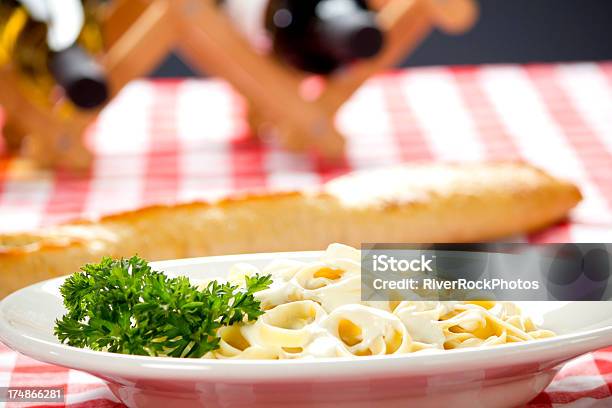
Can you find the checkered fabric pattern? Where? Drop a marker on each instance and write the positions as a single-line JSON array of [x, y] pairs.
[[181, 140]]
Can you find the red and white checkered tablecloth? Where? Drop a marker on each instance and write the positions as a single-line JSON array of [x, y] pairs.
[[181, 140]]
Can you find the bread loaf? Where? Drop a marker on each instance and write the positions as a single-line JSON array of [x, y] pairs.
[[412, 203]]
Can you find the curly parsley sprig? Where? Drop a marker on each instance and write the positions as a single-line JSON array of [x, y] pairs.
[[123, 306]]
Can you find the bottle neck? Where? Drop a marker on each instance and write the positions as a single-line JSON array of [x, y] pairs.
[[346, 30], [323, 35], [82, 79], [24, 44]]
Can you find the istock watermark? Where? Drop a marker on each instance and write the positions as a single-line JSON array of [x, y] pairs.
[[384, 263], [495, 271]]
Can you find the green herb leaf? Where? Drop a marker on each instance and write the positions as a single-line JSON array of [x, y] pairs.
[[123, 306]]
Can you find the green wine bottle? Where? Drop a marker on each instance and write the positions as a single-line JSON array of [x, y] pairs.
[[52, 43]]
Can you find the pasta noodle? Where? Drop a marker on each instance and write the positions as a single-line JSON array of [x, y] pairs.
[[365, 331], [314, 309]]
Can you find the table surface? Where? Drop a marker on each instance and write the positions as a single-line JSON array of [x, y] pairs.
[[183, 140]]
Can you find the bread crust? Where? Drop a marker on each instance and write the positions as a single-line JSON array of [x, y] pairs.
[[413, 203]]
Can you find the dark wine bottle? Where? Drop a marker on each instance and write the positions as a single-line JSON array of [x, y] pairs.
[[45, 45], [318, 36]]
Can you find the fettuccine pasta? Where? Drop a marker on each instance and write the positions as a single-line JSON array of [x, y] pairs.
[[314, 310]]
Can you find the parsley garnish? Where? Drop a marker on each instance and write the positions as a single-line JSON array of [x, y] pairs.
[[122, 306]]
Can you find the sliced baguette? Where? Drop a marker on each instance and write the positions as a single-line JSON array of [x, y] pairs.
[[415, 203]]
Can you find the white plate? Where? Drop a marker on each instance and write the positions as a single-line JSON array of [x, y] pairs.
[[502, 376]]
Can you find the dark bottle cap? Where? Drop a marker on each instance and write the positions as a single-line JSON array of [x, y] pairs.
[[321, 36], [81, 77], [347, 33]]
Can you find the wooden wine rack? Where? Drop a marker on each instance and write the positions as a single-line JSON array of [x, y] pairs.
[[140, 33]]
